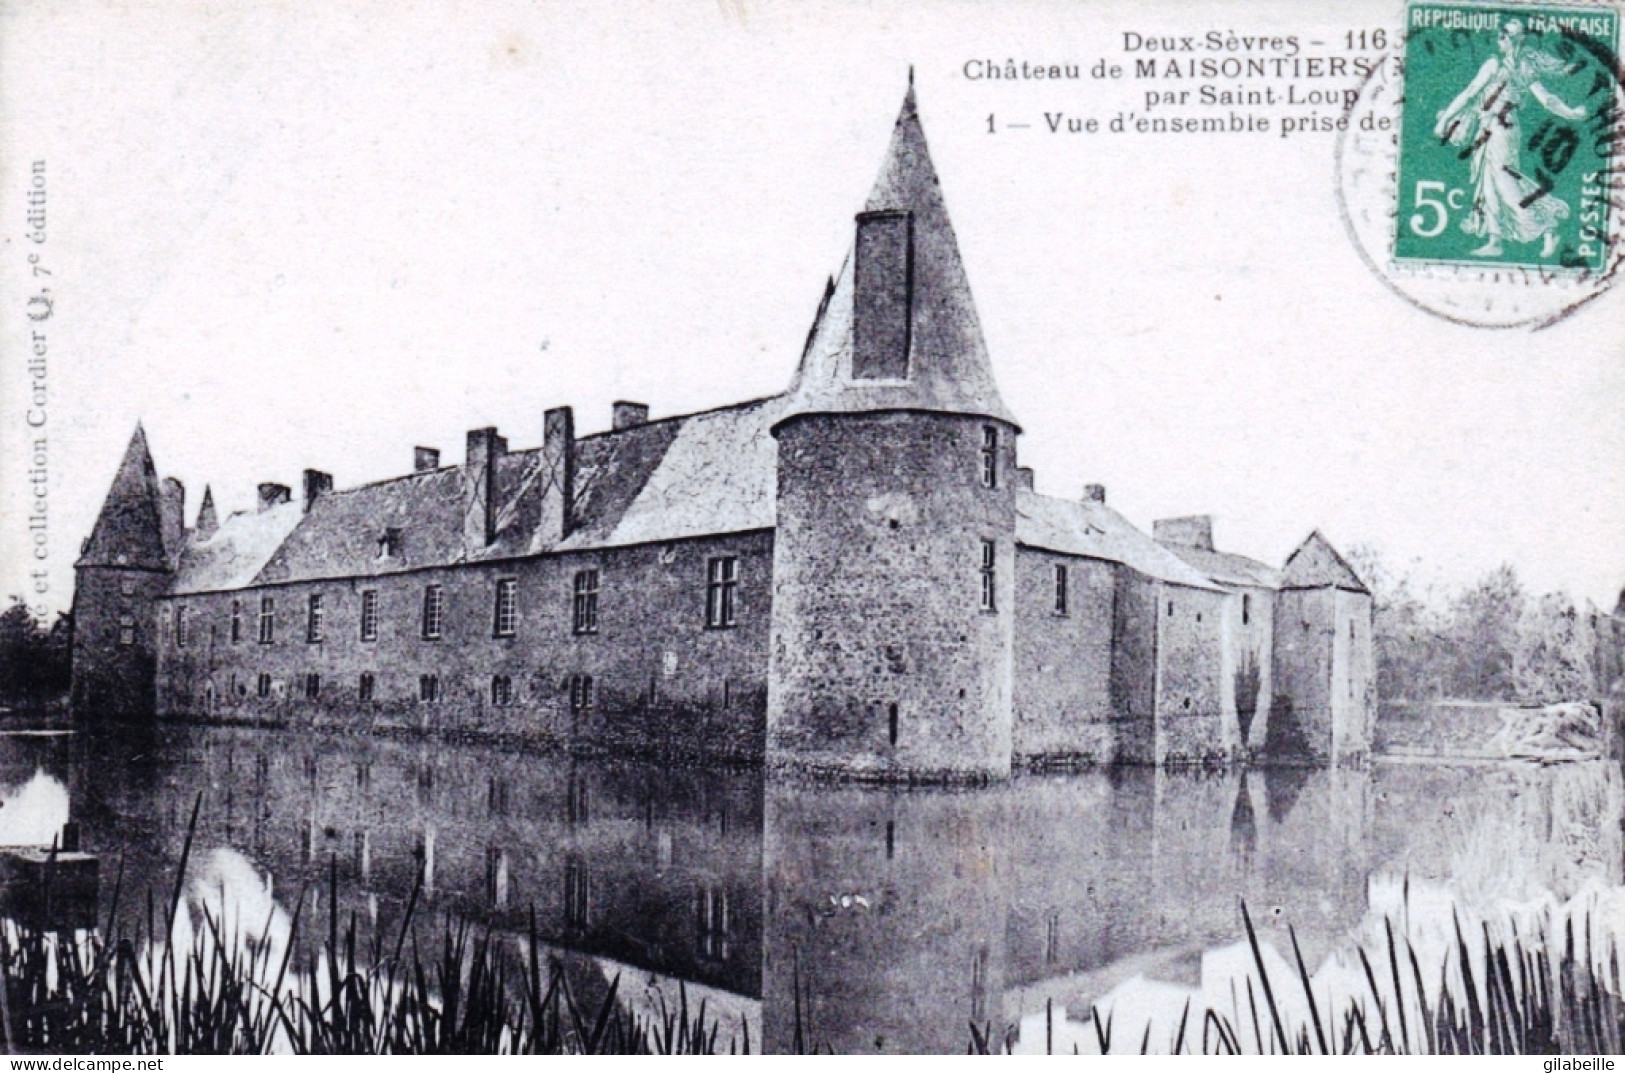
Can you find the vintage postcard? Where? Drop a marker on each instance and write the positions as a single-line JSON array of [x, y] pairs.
[[838, 527]]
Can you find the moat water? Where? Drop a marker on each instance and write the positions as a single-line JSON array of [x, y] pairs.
[[901, 915]]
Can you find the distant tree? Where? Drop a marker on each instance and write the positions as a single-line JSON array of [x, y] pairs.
[[1408, 632], [1553, 656], [35, 663], [1489, 641], [1483, 637]]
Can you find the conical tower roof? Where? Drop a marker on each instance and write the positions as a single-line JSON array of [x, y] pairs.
[[207, 521], [947, 366], [1317, 565], [128, 531]]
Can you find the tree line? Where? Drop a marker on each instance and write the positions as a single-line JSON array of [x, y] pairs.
[[1491, 640], [35, 659]]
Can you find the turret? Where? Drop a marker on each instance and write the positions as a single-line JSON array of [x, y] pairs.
[[124, 567], [1324, 704], [894, 545]]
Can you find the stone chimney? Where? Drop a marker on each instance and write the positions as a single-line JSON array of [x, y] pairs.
[[1094, 493], [274, 495], [1024, 477], [317, 483], [559, 475], [485, 447], [883, 295], [172, 514], [425, 459], [629, 415], [1195, 531]]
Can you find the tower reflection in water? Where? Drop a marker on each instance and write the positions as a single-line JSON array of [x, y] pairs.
[[893, 918]]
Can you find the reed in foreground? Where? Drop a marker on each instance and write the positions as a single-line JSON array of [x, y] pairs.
[[1534, 994], [228, 991]]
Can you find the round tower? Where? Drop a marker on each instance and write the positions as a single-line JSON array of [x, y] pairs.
[[894, 547], [122, 571]]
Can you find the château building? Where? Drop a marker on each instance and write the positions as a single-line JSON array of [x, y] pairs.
[[853, 577]]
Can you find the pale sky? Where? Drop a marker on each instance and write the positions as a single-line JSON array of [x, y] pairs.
[[288, 235]]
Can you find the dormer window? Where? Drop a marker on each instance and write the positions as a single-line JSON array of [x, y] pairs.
[[389, 544]]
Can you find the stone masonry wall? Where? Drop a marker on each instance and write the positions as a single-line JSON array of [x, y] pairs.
[[1135, 635], [878, 620], [661, 680], [1301, 717], [1190, 686], [1063, 699], [113, 679]]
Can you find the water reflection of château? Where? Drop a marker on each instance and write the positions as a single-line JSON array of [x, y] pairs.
[[904, 914]]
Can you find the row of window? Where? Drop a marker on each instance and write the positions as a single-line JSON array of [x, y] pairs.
[[580, 687], [721, 608]]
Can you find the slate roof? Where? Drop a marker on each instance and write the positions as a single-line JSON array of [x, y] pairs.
[[1094, 530], [1227, 568], [949, 370], [129, 530], [680, 477], [1317, 565], [234, 555]]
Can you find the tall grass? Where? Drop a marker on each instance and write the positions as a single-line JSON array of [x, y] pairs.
[[229, 990], [1520, 994]]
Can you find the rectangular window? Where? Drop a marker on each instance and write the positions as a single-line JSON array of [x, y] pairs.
[[389, 544], [314, 620], [365, 688], [1246, 608], [429, 688], [584, 610], [180, 626], [267, 619], [989, 583], [501, 690], [126, 586], [990, 457], [126, 630], [721, 591], [1060, 589], [575, 896], [313, 686], [434, 611], [714, 923], [236, 621], [262, 685], [496, 877], [506, 618], [369, 614], [580, 693]]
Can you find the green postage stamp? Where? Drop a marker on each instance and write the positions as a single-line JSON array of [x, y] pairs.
[[1507, 135]]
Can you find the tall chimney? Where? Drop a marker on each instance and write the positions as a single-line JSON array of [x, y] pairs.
[[559, 483], [629, 415], [1194, 531], [425, 459], [883, 295], [316, 483], [1094, 493], [479, 487], [172, 514], [274, 495]]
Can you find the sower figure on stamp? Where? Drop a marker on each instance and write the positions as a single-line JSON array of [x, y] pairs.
[[1507, 203]]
